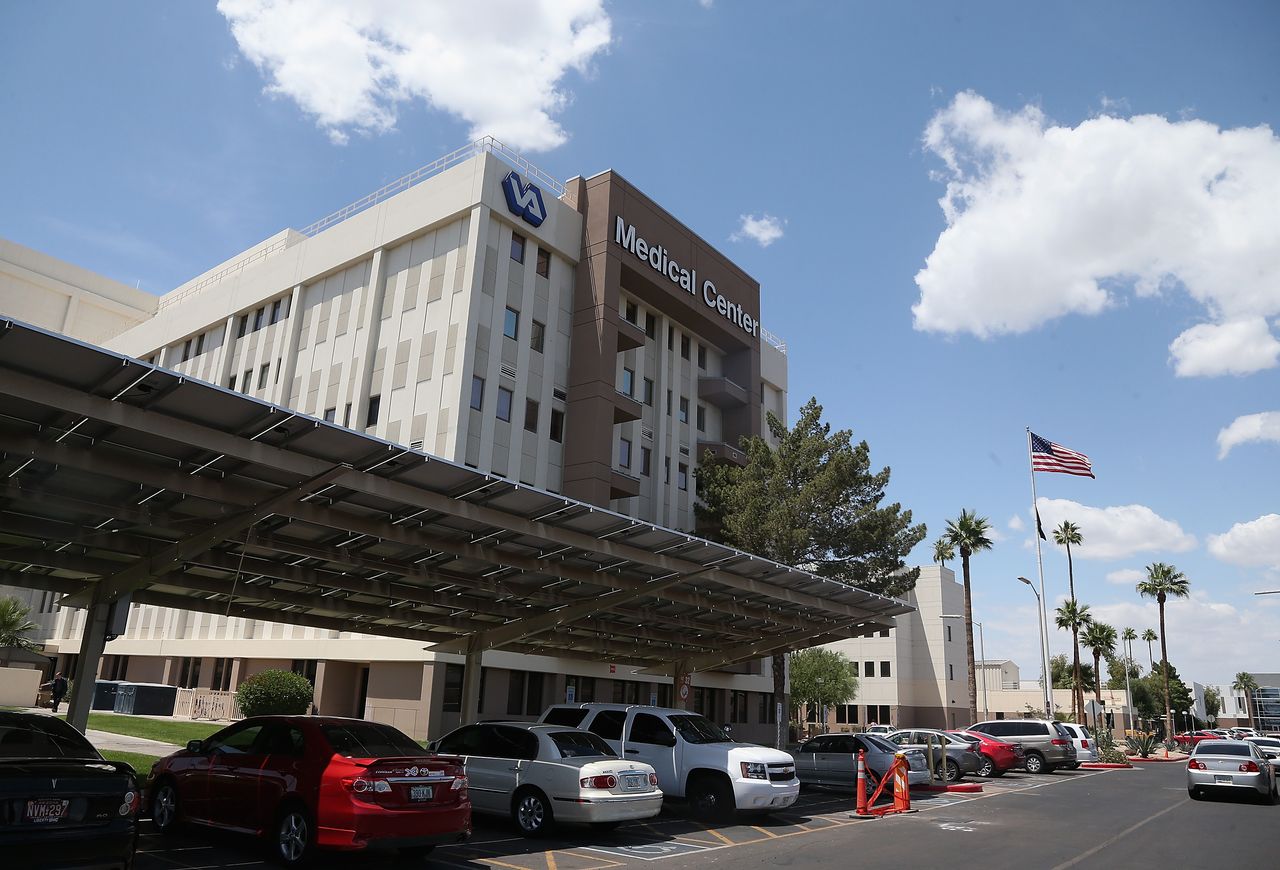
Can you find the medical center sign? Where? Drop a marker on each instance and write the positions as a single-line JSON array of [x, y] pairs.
[[657, 258], [524, 199]]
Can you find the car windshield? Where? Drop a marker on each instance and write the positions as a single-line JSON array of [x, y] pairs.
[[968, 738], [1268, 742], [880, 743], [698, 729], [1222, 747], [369, 740], [581, 744], [571, 716], [27, 736]]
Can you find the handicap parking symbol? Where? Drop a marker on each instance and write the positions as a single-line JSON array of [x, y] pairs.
[[651, 851]]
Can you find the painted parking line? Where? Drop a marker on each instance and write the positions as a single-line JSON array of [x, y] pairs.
[[654, 851]]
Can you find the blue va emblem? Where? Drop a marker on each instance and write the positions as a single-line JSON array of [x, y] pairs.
[[524, 200]]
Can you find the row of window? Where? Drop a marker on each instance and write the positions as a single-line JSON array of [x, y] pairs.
[[847, 714], [869, 669], [511, 329], [543, 264], [631, 313], [646, 460], [370, 419], [246, 380], [260, 318], [506, 398]]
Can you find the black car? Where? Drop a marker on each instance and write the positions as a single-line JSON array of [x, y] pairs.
[[63, 806]]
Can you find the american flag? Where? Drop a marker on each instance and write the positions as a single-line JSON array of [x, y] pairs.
[[1047, 456]]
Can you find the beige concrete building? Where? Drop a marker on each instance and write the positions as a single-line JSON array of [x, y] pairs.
[[576, 338]]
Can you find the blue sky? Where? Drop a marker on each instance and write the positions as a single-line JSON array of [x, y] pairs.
[[1108, 274]]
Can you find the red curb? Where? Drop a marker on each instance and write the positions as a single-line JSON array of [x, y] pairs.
[[963, 787], [1105, 765], [1158, 760]]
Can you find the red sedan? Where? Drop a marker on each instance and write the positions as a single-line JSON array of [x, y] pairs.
[[997, 755], [308, 782], [1189, 739]]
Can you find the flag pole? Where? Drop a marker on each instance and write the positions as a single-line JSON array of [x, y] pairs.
[[1047, 679]]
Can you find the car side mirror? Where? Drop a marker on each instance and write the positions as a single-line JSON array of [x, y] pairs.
[[195, 746]]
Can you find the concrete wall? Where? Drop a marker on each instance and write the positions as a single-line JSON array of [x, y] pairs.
[[399, 693], [19, 687]]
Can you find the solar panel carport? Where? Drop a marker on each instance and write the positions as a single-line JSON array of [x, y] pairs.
[[122, 482]]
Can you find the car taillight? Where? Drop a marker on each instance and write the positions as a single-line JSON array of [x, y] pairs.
[[653, 779], [1084, 744], [459, 785], [360, 785], [1249, 767], [609, 781], [130, 803], [1196, 765], [1058, 741]]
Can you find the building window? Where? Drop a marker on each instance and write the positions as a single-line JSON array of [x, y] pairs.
[[702, 357], [948, 629], [884, 633], [702, 418], [221, 675], [543, 266], [189, 673], [668, 403], [684, 410], [951, 672], [504, 404], [247, 381], [684, 346], [524, 694], [275, 311], [243, 327], [650, 324], [584, 689], [557, 425], [231, 384], [264, 372], [624, 452], [671, 337], [884, 669], [453, 675], [648, 392], [537, 333], [511, 323], [646, 457], [477, 392], [530, 415], [517, 247], [737, 707], [257, 318], [666, 469], [346, 416], [632, 314], [199, 344], [768, 712], [682, 476], [186, 351], [375, 405], [628, 382], [869, 669]]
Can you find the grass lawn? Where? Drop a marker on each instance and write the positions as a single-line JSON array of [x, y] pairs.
[[141, 763], [176, 731]]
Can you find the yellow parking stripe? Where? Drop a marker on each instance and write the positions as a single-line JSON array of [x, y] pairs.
[[721, 837], [551, 861], [770, 834]]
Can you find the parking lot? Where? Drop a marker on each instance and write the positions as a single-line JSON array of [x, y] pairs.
[[1063, 819]]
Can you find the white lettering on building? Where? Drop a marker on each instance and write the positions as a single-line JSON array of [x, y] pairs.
[[658, 260]]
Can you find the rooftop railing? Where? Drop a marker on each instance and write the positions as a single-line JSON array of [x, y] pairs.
[[773, 341]]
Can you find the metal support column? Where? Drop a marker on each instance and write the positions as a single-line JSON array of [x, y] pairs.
[[682, 685], [471, 685], [92, 642]]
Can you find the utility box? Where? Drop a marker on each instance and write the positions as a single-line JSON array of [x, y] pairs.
[[146, 699], [104, 694]]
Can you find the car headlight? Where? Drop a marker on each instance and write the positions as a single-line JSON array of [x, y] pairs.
[[755, 770]]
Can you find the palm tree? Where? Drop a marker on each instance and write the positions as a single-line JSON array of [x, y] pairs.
[[1247, 684], [15, 628], [968, 534], [1149, 635], [1128, 636], [1100, 639], [1065, 535], [943, 552], [1074, 616], [1162, 582]]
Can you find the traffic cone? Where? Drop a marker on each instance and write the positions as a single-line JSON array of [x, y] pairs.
[[862, 784], [901, 787]]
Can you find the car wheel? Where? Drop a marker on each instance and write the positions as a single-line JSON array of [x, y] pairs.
[[1035, 763], [951, 771], [873, 782], [164, 807], [293, 841], [1194, 793], [711, 797], [605, 826], [1075, 765], [532, 812], [987, 767]]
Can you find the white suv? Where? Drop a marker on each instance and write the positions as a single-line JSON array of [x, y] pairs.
[[694, 758]]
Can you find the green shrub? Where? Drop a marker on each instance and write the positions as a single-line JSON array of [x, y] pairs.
[[1142, 745], [282, 693], [1108, 752]]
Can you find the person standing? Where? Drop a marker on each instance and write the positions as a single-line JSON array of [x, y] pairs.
[[57, 688]]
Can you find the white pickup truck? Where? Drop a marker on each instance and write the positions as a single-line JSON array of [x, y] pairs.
[[694, 758]]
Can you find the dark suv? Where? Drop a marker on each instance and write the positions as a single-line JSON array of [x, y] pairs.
[[1046, 745]]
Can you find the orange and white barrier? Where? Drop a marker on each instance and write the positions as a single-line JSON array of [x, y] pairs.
[[897, 775]]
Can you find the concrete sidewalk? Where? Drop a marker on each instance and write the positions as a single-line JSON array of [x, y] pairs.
[[106, 740]]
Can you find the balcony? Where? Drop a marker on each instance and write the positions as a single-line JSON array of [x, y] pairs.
[[630, 335], [721, 452], [722, 392], [623, 485], [626, 409]]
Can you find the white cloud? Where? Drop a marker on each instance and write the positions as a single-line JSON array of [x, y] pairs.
[[1250, 427], [764, 229], [1126, 577], [1240, 347], [1116, 532], [1252, 544], [496, 65], [1045, 221], [1016, 524]]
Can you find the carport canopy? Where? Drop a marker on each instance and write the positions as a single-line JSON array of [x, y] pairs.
[[124, 482]]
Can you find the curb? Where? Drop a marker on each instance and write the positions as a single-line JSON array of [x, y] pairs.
[[962, 787], [1158, 760], [1105, 765]]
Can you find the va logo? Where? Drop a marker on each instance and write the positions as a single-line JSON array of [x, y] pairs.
[[524, 200]]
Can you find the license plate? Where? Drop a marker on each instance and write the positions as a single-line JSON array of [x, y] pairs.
[[45, 811], [420, 792], [1225, 780], [635, 781]]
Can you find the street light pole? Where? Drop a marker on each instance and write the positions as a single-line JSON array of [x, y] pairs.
[[982, 651], [1044, 653], [1128, 693]]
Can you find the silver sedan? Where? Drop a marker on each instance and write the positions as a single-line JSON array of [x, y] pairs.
[[831, 759], [1230, 765], [962, 757]]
